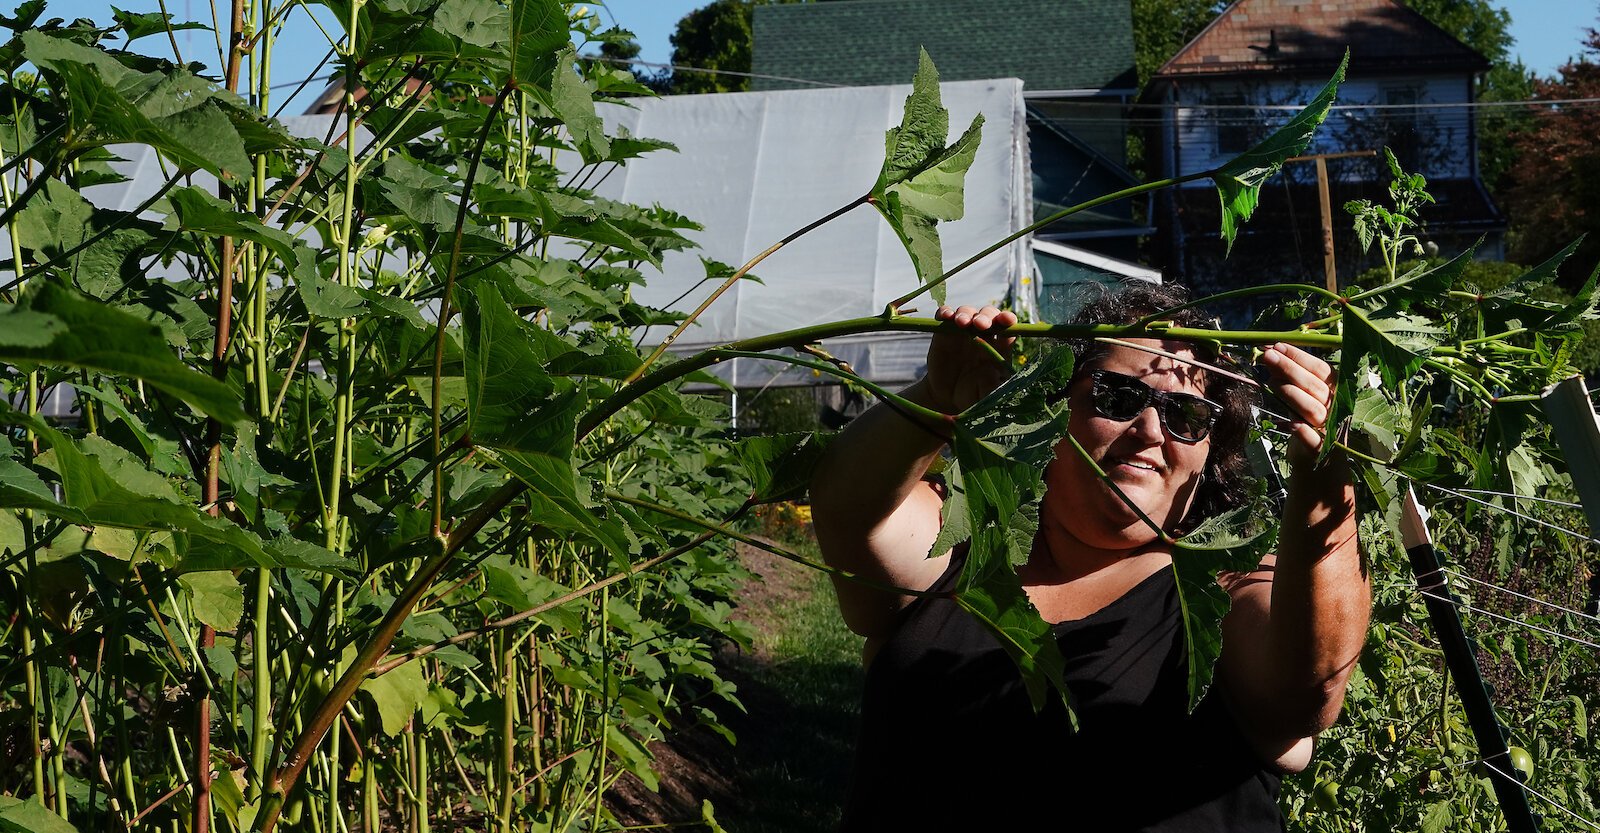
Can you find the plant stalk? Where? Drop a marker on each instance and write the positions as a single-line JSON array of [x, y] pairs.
[[734, 278]]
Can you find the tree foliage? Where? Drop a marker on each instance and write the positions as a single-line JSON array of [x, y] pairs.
[[1555, 184], [1162, 27], [1486, 27], [718, 37]]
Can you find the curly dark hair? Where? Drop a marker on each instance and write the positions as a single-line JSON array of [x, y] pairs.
[[1227, 480]]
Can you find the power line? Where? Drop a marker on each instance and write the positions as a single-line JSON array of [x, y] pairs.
[[1493, 615], [1522, 595], [683, 68], [1438, 105]]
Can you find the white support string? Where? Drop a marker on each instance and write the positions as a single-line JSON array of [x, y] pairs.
[[1567, 503], [1548, 604], [1547, 799], [1529, 518], [1493, 615]]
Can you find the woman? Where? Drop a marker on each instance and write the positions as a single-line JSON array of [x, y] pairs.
[[949, 740]]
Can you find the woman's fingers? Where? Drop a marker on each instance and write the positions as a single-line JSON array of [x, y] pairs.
[[1305, 382], [982, 319]]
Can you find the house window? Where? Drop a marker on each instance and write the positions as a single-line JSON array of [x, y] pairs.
[[1400, 126], [1236, 126]]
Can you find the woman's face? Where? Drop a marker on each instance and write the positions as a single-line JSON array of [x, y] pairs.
[[1159, 473]]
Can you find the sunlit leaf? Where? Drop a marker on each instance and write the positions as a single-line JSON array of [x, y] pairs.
[[397, 695], [923, 182], [215, 597], [1234, 541], [1003, 445], [1239, 180]]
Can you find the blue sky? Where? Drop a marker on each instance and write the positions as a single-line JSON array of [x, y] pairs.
[[1548, 32]]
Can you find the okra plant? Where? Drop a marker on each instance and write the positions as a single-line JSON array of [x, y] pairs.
[[370, 511]]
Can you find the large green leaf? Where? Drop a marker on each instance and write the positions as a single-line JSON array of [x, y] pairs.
[[571, 98], [19, 815], [1239, 180], [923, 182], [1002, 446], [538, 30], [1386, 342], [523, 418], [1233, 542], [215, 597], [780, 465], [105, 339], [397, 695], [109, 103], [100, 487]]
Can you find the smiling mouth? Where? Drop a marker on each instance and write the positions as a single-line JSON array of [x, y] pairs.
[[1138, 465]]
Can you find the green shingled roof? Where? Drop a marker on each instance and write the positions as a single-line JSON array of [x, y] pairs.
[[1049, 44]]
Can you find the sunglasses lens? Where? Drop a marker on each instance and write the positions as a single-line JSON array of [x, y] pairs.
[[1187, 418], [1119, 398]]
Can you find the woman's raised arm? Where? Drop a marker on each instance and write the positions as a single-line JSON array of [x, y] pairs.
[[875, 515], [1298, 624]]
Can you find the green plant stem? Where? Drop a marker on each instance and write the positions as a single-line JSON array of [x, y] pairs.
[[897, 304], [508, 734], [1106, 479], [261, 708], [894, 400], [734, 278], [1243, 292], [444, 307], [880, 323]]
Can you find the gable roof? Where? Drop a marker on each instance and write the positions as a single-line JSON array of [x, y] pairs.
[[1311, 36], [1049, 44]]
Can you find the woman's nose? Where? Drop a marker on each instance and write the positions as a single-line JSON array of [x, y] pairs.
[[1147, 425]]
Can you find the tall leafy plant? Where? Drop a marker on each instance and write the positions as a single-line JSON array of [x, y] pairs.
[[370, 509]]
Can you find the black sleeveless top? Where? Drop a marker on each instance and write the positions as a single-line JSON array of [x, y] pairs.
[[949, 740]]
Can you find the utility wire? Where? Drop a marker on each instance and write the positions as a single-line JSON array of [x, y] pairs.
[[1567, 503], [682, 68], [1421, 105], [1547, 799], [1579, 535], [1491, 614], [1548, 604]]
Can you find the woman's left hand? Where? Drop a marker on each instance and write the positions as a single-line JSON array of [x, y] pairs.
[[1306, 384]]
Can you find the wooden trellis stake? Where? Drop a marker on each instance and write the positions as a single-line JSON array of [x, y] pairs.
[[1460, 657]]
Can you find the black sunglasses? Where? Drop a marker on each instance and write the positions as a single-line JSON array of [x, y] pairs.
[[1185, 417]]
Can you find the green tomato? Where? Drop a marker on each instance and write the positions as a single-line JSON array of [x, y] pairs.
[[1326, 795], [1521, 761]]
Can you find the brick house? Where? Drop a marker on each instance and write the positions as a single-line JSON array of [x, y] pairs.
[[1409, 87]]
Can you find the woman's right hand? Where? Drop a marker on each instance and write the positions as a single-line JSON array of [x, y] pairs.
[[961, 370]]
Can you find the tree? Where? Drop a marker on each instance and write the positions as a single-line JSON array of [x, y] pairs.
[[1162, 27], [717, 37], [1555, 181], [1485, 27]]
